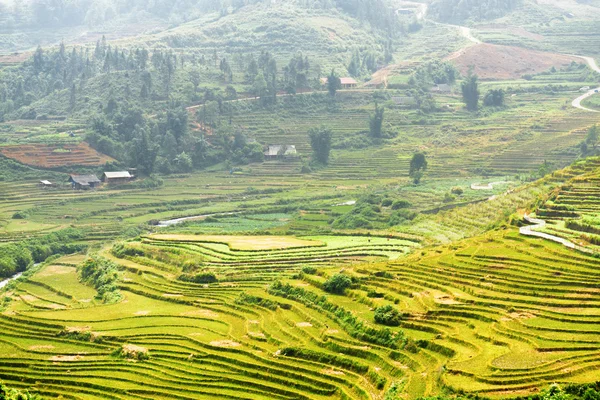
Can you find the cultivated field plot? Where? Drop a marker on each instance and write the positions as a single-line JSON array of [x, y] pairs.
[[497, 315], [52, 156]]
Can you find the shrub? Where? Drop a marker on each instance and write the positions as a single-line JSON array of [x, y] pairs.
[[132, 352], [387, 315], [337, 284], [457, 190], [103, 275], [309, 270], [202, 277], [259, 301], [12, 394], [398, 204], [20, 215]]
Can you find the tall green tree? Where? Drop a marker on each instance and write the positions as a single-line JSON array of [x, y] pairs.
[[320, 142], [470, 91], [592, 136], [259, 87], [376, 122], [418, 165], [334, 83]]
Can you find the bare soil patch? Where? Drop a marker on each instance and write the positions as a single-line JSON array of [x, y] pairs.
[[507, 62], [201, 313], [66, 358], [50, 156], [41, 347], [332, 372], [224, 343]]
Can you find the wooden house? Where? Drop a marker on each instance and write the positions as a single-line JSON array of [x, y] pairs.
[[84, 181], [275, 151], [116, 178]]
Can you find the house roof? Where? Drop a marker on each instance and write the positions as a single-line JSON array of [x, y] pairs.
[[276, 149], [46, 182], [442, 87], [84, 180], [117, 175], [403, 99], [343, 81], [348, 81]]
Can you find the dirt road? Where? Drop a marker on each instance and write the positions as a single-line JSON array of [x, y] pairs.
[[577, 102]]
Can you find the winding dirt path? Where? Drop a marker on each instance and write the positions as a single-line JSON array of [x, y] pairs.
[[577, 102], [530, 230], [489, 186]]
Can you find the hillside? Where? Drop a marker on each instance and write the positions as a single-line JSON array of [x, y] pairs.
[[476, 307], [324, 199]]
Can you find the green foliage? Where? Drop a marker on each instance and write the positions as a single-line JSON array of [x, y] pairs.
[[334, 83], [398, 204], [12, 394], [592, 136], [470, 91], [388, 315], [457, 190], [434, 73], [355, 327], [20, 215], [202, 277], [103, 275], [325, 358], [320, 141], [337, 284], [418, 164], [494, 98], [17, 257], [247, 299], [376, 121], [309, 270], [394, 392]]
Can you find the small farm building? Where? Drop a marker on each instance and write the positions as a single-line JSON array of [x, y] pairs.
[[347, 83], [118, 177], [46, 184], [84, 181], [442, 88], [280, 150]]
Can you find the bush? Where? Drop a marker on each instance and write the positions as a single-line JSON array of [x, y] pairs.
[[457, 190], [387, 315], [337, 284], [398, 204], [309, 270], [103, 275], [20, 215], [12, 394], [255, 300], [202, 277]]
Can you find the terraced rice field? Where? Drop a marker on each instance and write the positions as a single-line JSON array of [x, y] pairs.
[[572, 209], [497, 315], [52, 156]]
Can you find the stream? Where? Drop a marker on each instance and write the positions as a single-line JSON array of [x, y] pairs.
[[169, 222]]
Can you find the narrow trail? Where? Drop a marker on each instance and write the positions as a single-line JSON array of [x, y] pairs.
[[489, 186], [577, 102], [530, 230]]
